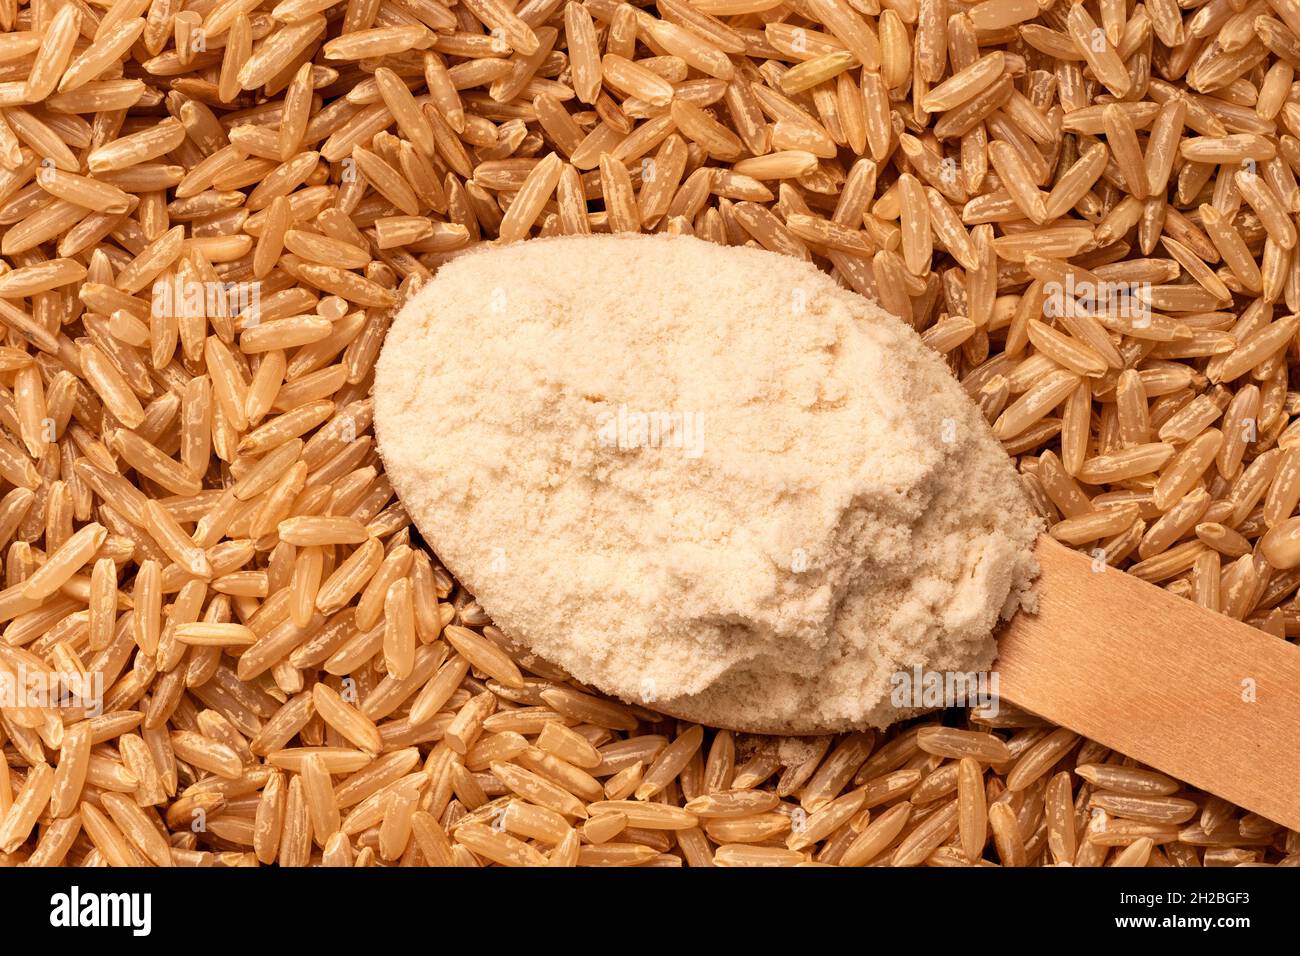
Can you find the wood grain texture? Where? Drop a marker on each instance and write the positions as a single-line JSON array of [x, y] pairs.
[[1160, 679]]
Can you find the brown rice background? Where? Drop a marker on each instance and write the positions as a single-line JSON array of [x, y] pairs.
[[191, 502]]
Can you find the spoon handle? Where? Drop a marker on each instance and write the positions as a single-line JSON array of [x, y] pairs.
[[1190, 692]]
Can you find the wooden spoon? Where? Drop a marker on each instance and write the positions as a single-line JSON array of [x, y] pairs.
[[1195, 694]]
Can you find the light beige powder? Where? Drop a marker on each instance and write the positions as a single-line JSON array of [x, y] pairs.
[[829, 509]]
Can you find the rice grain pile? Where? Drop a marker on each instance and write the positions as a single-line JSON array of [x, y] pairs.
[[192, 506]]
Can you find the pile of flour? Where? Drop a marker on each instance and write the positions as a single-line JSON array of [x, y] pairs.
[[705, 479]]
